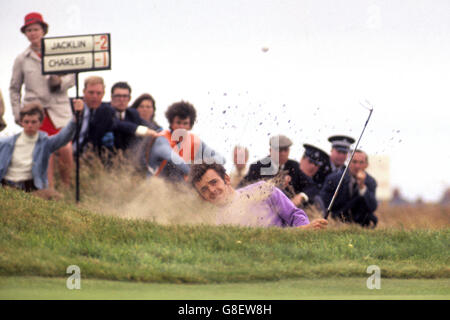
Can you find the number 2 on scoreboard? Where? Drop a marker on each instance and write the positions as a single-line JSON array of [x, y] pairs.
[[104, 42]]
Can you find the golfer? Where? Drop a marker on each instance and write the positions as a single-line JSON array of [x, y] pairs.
[[259, 204]]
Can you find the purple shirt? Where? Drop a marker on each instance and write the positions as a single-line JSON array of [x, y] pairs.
[[263, 205]]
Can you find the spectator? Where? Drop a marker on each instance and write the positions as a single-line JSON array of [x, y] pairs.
[[24, 157], [445, 200], [397, 199], [355, 201], [240, 159], [340, 147], [2, 111], [49, 90], [117, 126], [259, 204], [274, 165], [91, 128], [120, 97], [307, 190], [155, 150], [146, 107], [181, 117]]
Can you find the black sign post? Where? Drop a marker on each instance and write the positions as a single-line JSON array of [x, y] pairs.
[[75, 54], [77, 152]]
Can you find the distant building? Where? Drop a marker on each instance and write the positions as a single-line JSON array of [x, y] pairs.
[[397, 199], [419, 202], [445, 200], [379, 168]]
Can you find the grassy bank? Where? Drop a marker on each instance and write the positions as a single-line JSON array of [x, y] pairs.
[[42, 238]]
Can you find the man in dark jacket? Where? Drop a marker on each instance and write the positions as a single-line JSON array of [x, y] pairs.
[[118, 126], [274, 165], [91, 130], [306, 189], [355, 201], [340, 148]]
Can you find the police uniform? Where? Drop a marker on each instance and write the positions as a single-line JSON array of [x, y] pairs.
[[305, 184], [339, 142]]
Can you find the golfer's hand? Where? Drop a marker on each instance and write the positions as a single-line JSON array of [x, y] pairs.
[[316, 224]]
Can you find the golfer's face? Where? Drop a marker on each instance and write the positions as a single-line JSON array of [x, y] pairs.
[[213, 188]]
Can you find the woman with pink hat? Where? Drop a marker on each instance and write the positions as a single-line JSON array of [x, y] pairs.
[[49, 90]]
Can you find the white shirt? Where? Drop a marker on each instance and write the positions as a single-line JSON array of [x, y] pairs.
[[361, 192], [22, 158]]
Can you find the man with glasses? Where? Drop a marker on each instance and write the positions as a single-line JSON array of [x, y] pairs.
[[119, 125], [355, 201]]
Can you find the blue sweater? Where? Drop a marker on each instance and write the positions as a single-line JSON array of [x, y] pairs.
[[43, 148]]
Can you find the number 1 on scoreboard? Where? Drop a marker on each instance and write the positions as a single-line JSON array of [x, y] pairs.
[[101, 59]]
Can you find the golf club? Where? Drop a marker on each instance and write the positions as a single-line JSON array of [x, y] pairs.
[[327, 213]]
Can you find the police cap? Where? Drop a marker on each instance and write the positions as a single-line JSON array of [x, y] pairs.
[[315, 155], [341, 143]]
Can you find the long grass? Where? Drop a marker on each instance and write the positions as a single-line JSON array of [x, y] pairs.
[[120, 191], [42, 238], [130, 228]]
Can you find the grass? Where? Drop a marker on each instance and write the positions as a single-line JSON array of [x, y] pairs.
[[331, 288], [138, 239], [42, 238]]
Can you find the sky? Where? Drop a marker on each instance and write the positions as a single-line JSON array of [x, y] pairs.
[[325, 59]]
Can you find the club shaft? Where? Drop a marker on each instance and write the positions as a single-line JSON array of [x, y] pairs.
[[346, 168]]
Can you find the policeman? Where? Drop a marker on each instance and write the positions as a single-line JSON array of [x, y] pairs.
[[306, 188], [355, 200], [340, 147]]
